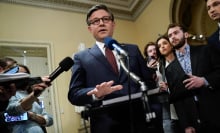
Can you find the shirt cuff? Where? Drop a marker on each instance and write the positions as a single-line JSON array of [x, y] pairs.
[[207, 84], [96, 98]]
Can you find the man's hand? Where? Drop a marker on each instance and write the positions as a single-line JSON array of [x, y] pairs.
[[26, 103], [39, 88], [104, 88], [194, 82]]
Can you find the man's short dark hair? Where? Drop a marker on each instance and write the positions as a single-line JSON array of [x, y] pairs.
[[98, 7], [183, 28]]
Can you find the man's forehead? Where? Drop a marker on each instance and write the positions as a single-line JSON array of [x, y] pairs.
[[99, 13], [173, 29], [211, 1]]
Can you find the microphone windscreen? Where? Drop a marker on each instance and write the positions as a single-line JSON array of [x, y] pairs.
[[66, 63], [109, 41]]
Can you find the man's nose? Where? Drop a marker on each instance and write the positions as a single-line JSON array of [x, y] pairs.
[[101, 22]]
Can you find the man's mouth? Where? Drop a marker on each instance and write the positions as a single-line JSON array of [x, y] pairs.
[[215, 15], [102, 30]]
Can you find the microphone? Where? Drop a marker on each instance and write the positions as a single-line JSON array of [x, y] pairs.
[[113, 44], [64, 65]]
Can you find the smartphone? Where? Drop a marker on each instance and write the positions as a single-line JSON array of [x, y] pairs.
[[10, 118]]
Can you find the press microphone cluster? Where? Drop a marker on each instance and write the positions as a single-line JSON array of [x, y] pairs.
[[64, 65], [113, 45]]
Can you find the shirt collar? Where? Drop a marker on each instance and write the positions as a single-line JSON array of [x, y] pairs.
[[186, 51], [101, 46]]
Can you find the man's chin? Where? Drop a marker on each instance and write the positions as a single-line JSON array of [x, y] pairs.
[[105, 35], [217, 19]]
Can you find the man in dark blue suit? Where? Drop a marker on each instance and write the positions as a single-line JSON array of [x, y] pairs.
[[94, 80], [213, 7]]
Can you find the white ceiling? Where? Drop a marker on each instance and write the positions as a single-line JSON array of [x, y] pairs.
[[124, 9]]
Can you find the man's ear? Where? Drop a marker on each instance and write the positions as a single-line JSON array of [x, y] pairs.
[[89, 28], [186, 34]]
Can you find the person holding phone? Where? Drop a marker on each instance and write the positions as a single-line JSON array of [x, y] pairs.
[[38, 118], [8, 89], [151, 55]]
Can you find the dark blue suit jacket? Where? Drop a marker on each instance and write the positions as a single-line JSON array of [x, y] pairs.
[[92, 68], [214, 41]]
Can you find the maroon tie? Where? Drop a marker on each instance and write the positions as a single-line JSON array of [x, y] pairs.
[[111, 59]]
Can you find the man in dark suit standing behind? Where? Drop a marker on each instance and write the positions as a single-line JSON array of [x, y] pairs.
[[213, 7], [94, 80], [194, 77]]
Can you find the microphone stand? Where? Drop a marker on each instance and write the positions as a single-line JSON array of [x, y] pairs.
[[120, 58], [149, 115]]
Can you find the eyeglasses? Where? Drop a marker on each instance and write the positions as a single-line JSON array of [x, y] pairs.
[[104, 19]]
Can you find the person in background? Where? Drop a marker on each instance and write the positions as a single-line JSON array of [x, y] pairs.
[[166, 56], [11, 63], [38, 117], [151, 59], [94, 80], [152, 55], [23, 69], [194, 78], [8, 89], [213, 8]]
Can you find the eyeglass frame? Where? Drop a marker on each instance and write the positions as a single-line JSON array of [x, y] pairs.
[[96, 21]]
